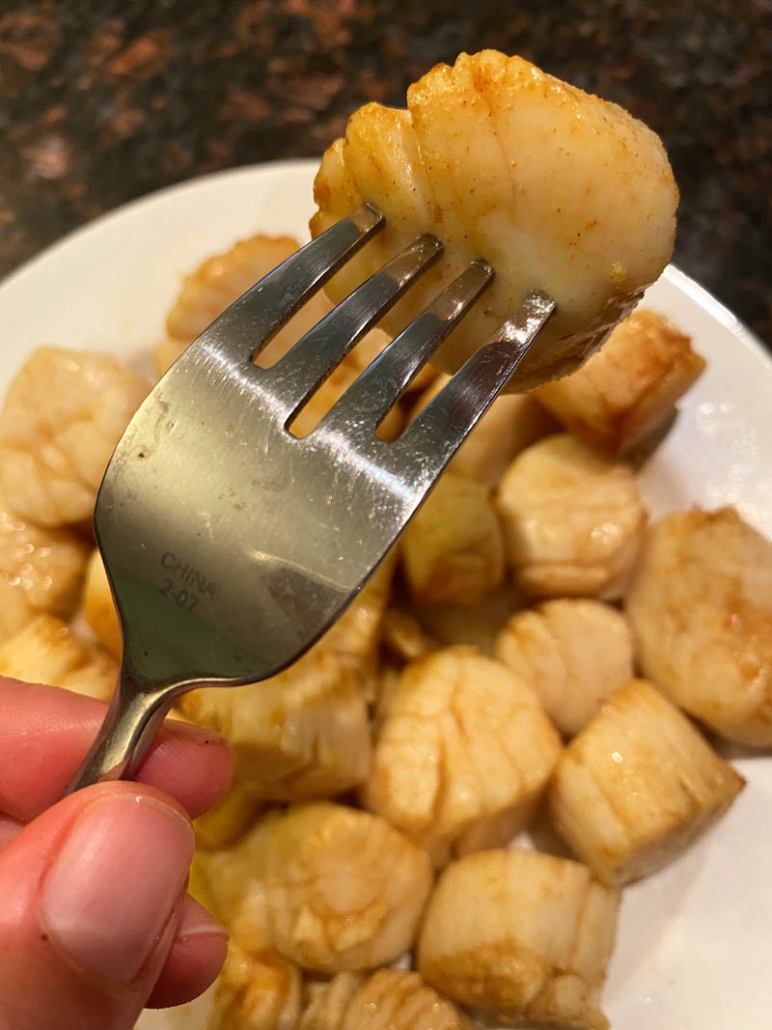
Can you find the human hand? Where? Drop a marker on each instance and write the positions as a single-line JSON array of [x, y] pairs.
[[95, 920]]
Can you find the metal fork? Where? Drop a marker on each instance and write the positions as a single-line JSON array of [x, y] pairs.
[[232, 545]]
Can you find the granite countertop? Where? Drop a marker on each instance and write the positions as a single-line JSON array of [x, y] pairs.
[[102, 101]]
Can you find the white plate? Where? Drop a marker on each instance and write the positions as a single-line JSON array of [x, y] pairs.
[[695, 942]]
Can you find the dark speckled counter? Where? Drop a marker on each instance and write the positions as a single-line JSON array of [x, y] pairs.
[[102, 101]]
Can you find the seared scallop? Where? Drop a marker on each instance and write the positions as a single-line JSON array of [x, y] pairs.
[[637, 785], [328, 887], [255, 991], [557, 189], [462, 754], [64, 413], [573, 652], [47, 651], [41, 570], [701, 609], [523, 935], [453, 548], [572, 520], [627, 391], [391, 999]]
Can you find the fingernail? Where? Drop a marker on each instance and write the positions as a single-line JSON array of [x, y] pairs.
[[195, 921], [112, 887]]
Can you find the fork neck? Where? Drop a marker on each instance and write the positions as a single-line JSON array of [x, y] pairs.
[[136, 711]]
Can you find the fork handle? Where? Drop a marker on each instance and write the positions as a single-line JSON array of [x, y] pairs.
[[133, 718]]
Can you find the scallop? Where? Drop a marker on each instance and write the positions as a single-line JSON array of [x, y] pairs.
[[558, 190]]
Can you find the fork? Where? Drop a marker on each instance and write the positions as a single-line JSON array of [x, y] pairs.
[[232, 545]]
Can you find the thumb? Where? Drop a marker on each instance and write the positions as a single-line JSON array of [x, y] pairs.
[[90, 896]]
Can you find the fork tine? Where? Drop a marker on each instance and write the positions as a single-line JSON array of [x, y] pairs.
[[431, 440], [296, 376], [248, 325], [366, 402]]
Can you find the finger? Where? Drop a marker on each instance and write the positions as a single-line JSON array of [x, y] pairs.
[[91, 897], [195, 958], [45, 733], [8, 829]]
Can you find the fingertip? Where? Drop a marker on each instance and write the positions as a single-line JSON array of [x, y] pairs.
[[194, 960]]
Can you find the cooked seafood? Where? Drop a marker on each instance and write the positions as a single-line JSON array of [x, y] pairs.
[[99, 607], [391, 999], [471, 625], [328, 887], [572, 520], [221, 279], [41, 570], [523, 935], [222, 825], [55, 444], [403, 636], [558, 190], [299, 735], [316, 896], [628, 389], [326, 1001], [573, 652], [512, 423], [256, 991], [47, 651], [453, 549], [462, 754], [637, 785], [701, 609], [305, 733]]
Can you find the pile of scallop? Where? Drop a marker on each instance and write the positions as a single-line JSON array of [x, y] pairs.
[[535, 653]]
